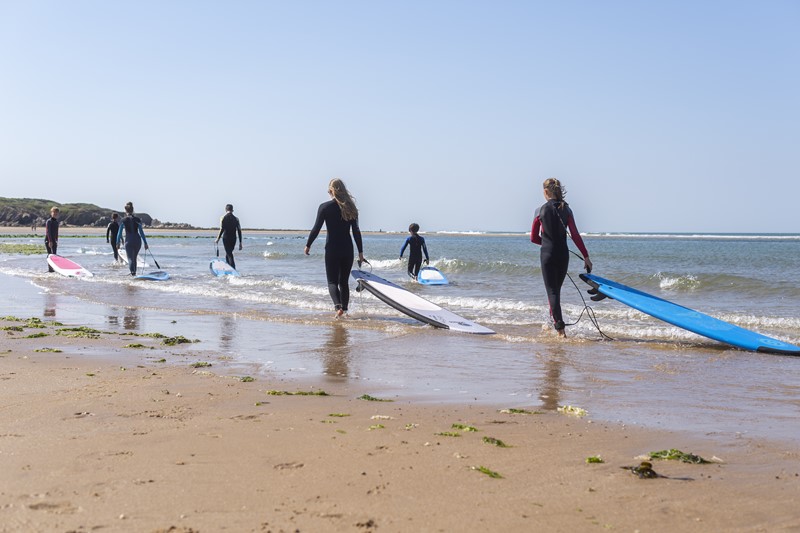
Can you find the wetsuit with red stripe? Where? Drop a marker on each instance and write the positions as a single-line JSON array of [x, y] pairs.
[[550, 231]]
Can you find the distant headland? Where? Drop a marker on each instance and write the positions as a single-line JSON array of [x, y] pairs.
[[32, 212]]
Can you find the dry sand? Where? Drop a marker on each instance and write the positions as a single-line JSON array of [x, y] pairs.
[[104, 438]]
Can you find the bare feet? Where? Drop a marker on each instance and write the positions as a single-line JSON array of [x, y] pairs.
[[562, 333], [339, 313]]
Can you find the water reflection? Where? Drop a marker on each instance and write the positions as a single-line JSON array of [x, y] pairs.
[[228, 330], [131, 319], [553, 384], [336, 352], [50, 305]]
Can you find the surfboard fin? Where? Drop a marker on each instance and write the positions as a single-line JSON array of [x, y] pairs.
[[598, 297]]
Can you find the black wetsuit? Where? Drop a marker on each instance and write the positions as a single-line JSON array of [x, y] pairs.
[[229, 228], [111, 236], [51, 237], [417, 243], [550, 230], [134, 235], [338, 250]]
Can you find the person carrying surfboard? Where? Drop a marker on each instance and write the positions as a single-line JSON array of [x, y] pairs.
[[229, 228], [111, 235], [134, 236], [417, 243], [340, 216], [51, 234], [551, 225]]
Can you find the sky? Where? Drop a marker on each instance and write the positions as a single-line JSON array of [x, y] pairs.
[[679, 116]]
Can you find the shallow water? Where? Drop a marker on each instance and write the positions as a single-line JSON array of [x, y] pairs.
[[277, 320]]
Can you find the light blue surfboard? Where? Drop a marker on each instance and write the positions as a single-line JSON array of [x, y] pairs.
[[221, 268], [431, 276], [689, 319], [157, 275]]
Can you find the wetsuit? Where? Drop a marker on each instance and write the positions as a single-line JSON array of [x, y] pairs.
[[51, 237], [229, 228], [338, 250], [417, 243], [111, 236], [550, 231], [134, 235]]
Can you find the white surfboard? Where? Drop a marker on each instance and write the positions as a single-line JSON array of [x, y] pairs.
[[431, 276], [415, 306], [221, 268], [68, 268]]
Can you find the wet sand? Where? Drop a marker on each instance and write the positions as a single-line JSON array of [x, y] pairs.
[[103, 437]]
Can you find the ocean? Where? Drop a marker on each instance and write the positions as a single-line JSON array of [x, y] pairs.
[[276, 320]]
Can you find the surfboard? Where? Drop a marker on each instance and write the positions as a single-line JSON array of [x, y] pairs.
[[415, 306], [156, 275], [68, 268], [689, 319], [221, 268], [431, 276]]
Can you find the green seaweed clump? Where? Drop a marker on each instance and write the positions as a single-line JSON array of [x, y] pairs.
[[377, 426], [10, 318], [484, 470], [37, 335], [247, 379], [82, 329], [20, 248], [339, 415], [298, 393], [594, 459], [513, 411], [368, 398], [48, 350], [13, 328], [200, 364], [677, 455], [35, 323], [448, 434], [135, 345], [572, 410], [178, 339], [464, 427], [495, 442]]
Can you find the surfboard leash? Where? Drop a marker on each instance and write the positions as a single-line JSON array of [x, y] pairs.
[[586, 307]]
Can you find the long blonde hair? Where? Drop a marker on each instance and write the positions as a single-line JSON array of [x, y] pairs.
[[556, 191], [347, 203]]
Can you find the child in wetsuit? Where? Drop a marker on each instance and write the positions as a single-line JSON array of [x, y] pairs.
[[417, 244]]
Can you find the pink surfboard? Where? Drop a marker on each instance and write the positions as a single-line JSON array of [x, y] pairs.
[[65, 267]]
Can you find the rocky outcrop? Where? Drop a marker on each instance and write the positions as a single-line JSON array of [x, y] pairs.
[[27, 212]]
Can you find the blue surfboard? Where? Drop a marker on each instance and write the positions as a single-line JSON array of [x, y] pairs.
[[431, 276], [221, 268], [689, 319], [157, 275]]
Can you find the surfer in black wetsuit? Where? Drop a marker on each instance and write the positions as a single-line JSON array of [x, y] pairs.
[[417, 243], [111, 235], [340, 216], [229, 228], [51, 234], [134, 236], [552, 224]]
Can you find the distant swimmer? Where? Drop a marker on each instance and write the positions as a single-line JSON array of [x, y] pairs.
[[229, 228], [340, 216], [417, 246], [51, 234], [111, 235], [553, 222], [134, 236]]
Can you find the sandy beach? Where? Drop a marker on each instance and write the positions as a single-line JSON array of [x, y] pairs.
[[102, 436]]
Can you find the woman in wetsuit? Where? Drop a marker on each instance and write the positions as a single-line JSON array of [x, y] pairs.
[[552, 224], [134, 236], [111, 234], [340, 216]]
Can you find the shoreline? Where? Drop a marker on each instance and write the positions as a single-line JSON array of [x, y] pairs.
[[103, 436]]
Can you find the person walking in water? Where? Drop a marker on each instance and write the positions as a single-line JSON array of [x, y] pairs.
[[417, 243], [134, 236], [229, 228], [551, 225], [51, 234], [111, 235], [340, 216]]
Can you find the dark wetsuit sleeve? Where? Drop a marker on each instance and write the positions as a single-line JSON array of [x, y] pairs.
[[239, 230], [141, 233], [576, 236], [403, 249], [357, 236], [317, 226], [536, 229], [424, 248]]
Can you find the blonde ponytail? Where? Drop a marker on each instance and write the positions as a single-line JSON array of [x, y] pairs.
[[342, 197]]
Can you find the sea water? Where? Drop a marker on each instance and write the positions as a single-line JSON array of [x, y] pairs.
[[277, 320]]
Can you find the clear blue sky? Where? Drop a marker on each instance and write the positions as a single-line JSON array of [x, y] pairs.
[[657, 116]]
